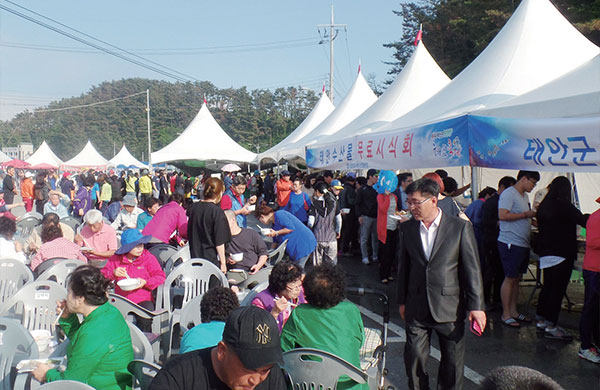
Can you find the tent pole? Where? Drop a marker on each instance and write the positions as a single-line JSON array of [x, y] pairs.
[[474, 183], [149, 139], [575, 193]]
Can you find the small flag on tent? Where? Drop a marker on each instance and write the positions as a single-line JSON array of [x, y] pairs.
[[204, 99], [323, 88], [419, 35], [358, 66]]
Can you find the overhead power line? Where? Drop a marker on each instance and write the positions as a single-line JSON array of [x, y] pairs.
[[96, 46], [91, 104], [176, 51]]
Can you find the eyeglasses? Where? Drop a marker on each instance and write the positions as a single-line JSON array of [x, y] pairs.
[[294, 287], [417, 203], [533, 181]]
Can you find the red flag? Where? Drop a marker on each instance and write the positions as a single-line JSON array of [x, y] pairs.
[[323, 88], [419, 36]]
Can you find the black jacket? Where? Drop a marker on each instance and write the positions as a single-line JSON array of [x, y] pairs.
[[366, 202], [447, 284], [557, 222]]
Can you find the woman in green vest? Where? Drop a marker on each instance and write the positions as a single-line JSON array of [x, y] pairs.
[[100, 346]]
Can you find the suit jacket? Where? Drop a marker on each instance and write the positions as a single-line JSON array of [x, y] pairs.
[[450, 282]]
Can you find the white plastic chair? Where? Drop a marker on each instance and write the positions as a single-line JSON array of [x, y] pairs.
[[247, 301], [13, 275], [26, 225], [160, 318], [60, 271], [142, 372], [252, 280], [141, 346], [16, 345], [190, 314], [188, 280], [65, 385], [310, 368], [277, 254], [162, 252], [34, 305], [72, 222], [33, 214], [181, 256]]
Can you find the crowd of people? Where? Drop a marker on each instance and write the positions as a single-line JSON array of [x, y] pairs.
[[450, 262]]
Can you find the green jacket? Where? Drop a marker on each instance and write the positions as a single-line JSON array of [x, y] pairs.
[[337, 330], [99, 351]]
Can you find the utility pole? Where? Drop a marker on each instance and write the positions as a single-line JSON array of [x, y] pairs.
[[331, 27], [149, 139]]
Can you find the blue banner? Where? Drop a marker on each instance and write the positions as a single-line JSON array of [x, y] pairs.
[[440, 144], [556, 144]]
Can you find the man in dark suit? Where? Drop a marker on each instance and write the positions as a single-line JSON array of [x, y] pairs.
[[440, 281]]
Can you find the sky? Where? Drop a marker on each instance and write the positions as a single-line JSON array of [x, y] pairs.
[[258, 44]]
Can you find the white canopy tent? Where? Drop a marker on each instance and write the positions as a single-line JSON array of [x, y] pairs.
[[88, 158], [575, 94], [4, 157], [536, 46], [359, 98], [420, 79], [44, 155], [125, 158], [322, 109], [203, 140]]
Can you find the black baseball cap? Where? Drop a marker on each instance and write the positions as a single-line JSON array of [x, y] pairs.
[[371, 172], [254, 336]]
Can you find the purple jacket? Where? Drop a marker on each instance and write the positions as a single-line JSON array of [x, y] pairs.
[[83, 201], [265, 300]]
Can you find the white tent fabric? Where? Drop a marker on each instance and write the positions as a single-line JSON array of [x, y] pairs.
[[359, 98], [44, 155], [576, 94], [203, 140], [420, 79], [125, 158], [322, 109], [4, 157], [87, 158], [536, 46]]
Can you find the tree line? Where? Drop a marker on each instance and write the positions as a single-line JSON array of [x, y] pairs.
[[255, 119]]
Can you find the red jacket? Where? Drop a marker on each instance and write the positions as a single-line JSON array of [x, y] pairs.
[[145, 267], [383, 204], [284, 189], [591, 260]]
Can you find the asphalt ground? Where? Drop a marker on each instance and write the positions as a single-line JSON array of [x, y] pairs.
[[498, 346]]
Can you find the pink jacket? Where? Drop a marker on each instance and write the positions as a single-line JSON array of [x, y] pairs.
[[168, 219], [145, 267]]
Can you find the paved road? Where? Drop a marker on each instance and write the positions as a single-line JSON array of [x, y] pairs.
[[498, 346]]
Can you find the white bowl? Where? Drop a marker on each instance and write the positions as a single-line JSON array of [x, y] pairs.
[[265, 231], [128, 284], [237, 257], [345, 211], [251, 207]]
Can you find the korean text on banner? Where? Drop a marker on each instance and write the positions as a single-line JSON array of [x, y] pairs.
[[556, 144], [441, 144]]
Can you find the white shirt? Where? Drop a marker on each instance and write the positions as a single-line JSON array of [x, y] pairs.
[[8, 251], [428, 235], [126, 220]]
